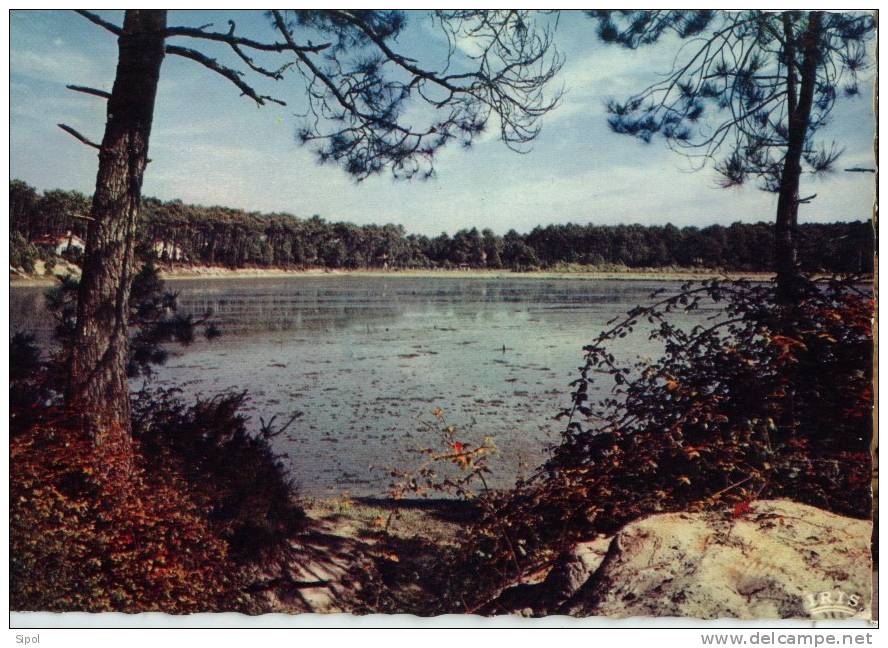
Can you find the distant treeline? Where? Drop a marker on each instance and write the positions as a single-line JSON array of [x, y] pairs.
[[172, 231]]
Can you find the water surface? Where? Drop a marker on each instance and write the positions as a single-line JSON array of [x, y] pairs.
[[366, 359]]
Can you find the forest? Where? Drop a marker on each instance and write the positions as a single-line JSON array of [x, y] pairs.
[[174, 232]]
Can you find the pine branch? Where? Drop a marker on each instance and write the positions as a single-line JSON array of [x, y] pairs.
[[402, 61], [343, 101]]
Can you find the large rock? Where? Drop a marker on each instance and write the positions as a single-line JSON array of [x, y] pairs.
[[779, 560]]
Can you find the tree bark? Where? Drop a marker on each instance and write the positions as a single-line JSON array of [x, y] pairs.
[[97, 390], [786, 243]]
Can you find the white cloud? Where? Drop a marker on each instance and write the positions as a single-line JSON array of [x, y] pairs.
[[61, 65], [605, 72]]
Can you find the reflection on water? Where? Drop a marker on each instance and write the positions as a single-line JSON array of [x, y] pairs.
[[365, 358]]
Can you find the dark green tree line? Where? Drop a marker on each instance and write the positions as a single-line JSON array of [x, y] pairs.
[[171, 232]]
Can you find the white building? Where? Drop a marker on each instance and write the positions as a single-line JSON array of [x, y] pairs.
[[61, 244]]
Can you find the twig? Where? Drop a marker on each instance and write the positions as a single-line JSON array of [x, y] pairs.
[[734, 485]]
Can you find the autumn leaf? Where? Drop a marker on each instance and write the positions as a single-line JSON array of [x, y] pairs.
[[460, 454], [742, 508]]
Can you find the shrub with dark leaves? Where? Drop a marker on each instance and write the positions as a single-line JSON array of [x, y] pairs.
[[236, 476], [761, 399]]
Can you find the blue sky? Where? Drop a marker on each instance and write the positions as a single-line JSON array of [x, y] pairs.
[[212, 147]]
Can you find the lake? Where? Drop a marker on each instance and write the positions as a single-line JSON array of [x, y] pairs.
[[367, 359]]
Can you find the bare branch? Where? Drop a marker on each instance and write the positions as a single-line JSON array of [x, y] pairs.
[[90, 91], [78, 136], [231, 39], [232, 75], [101, 22]]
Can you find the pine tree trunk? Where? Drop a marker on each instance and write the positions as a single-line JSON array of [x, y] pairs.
[[97, 387], [786, 243]]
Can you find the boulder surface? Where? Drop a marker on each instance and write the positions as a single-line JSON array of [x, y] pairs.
[[779, 559]]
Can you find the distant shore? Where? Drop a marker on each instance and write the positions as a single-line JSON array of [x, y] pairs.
[[629, 274], [666, 274]]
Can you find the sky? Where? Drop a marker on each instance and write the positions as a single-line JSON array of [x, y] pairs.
[[210, 146]]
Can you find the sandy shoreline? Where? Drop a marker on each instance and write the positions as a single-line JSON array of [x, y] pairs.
[[222, 273]]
